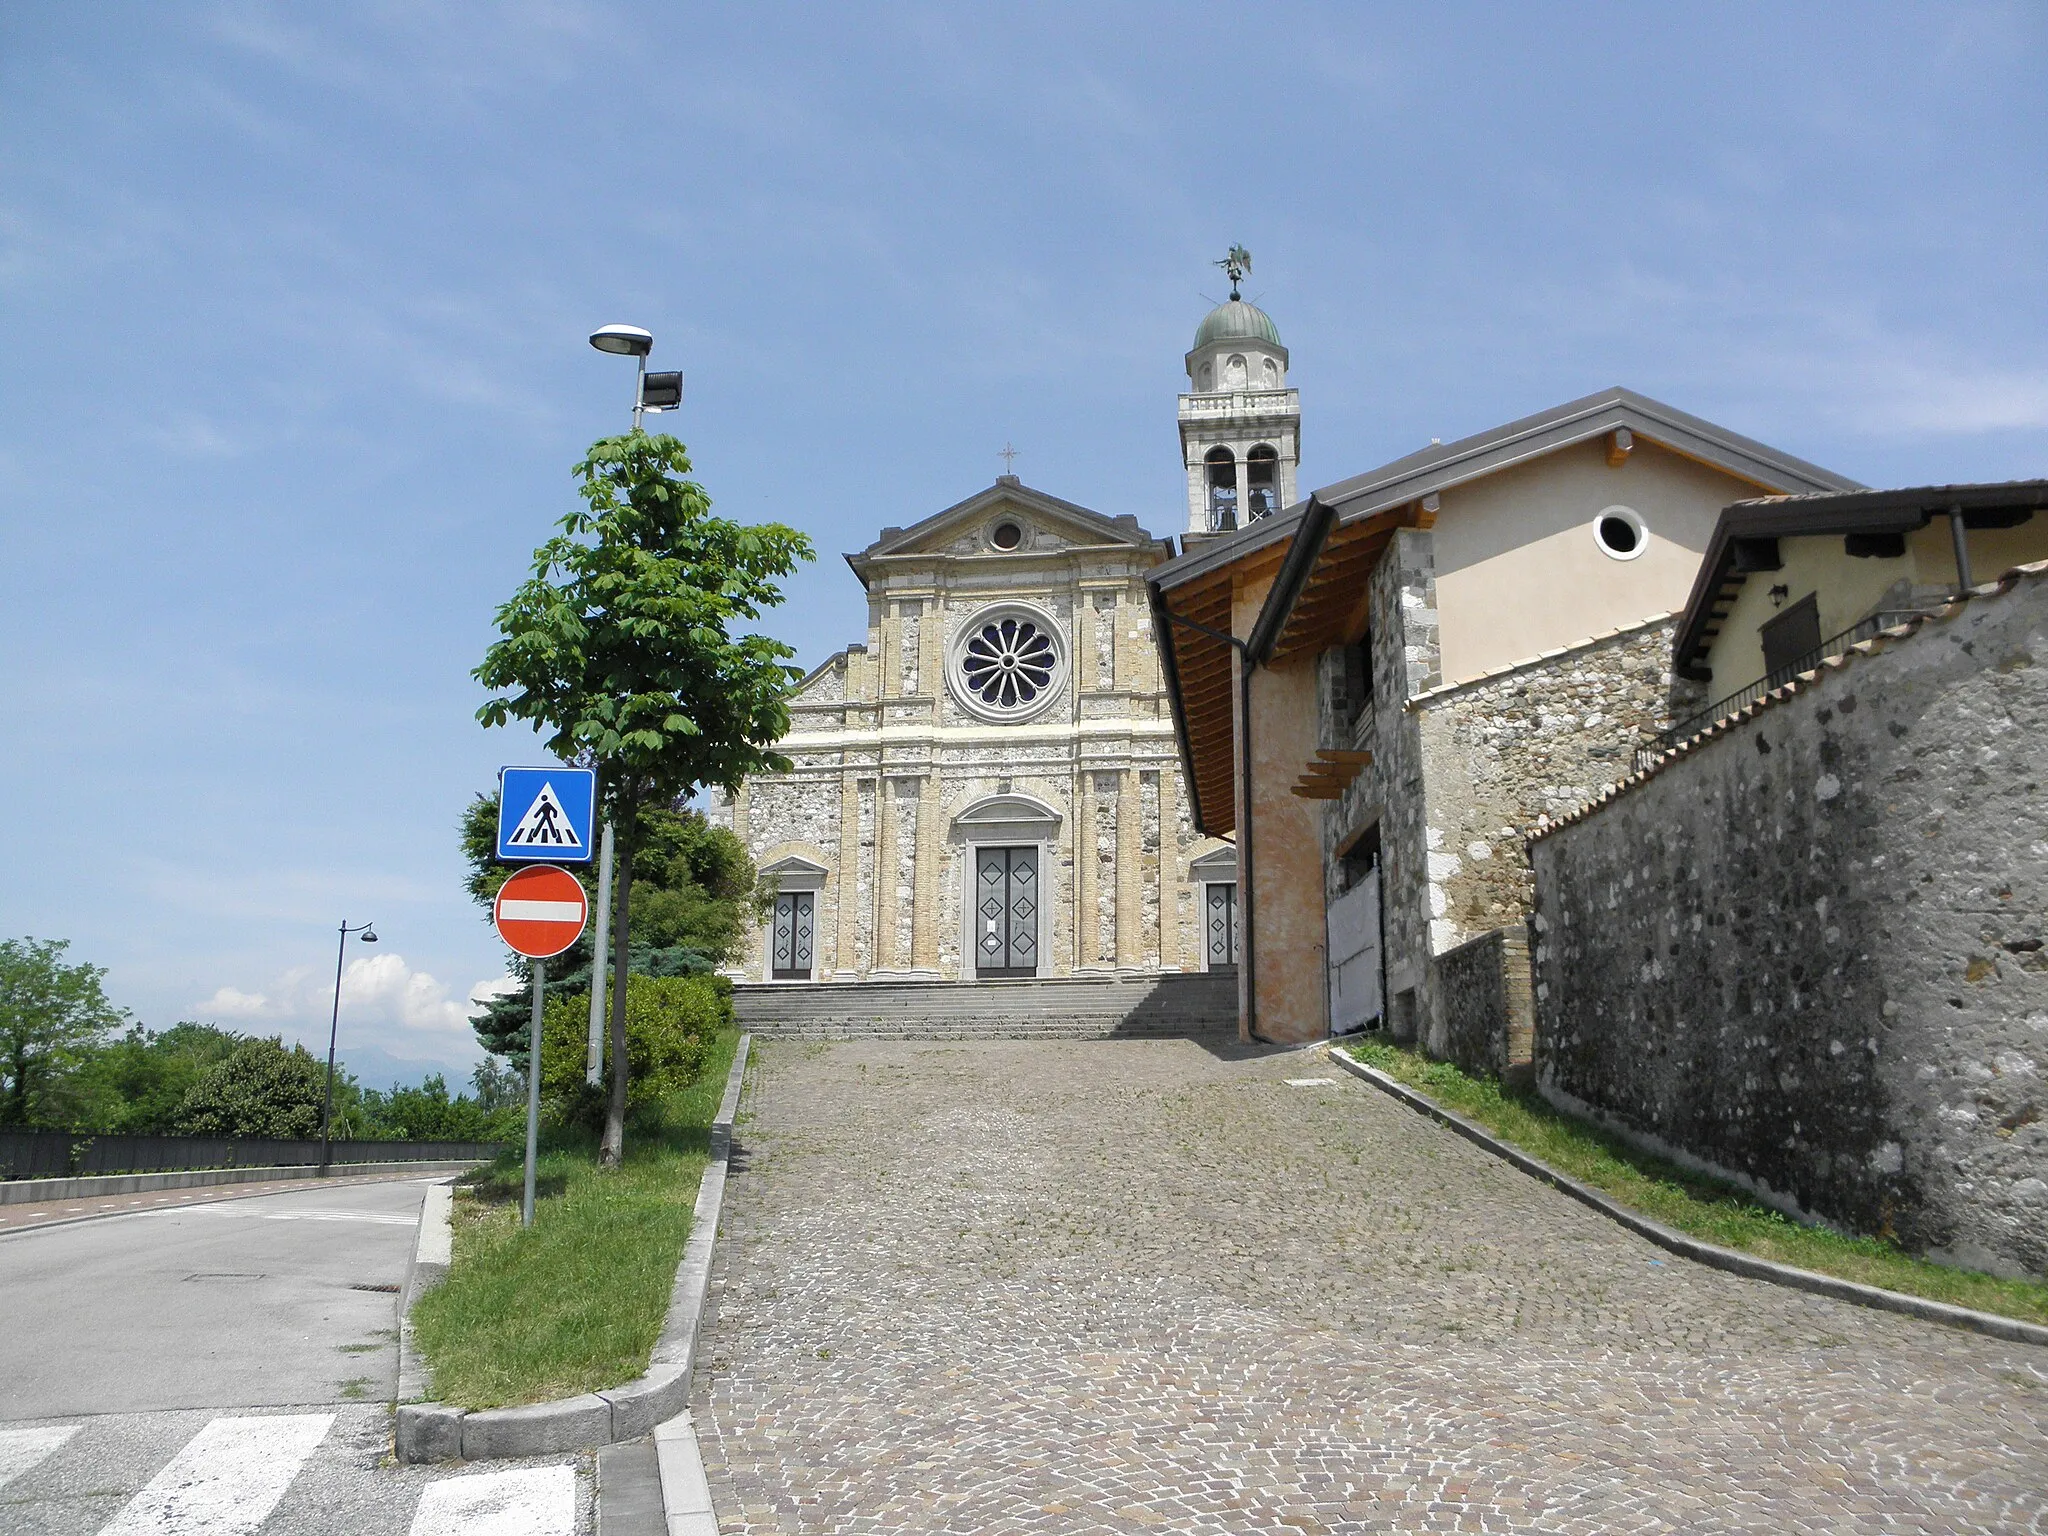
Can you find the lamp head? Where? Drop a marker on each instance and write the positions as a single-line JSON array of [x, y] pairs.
[[369, 933], [625, 340]]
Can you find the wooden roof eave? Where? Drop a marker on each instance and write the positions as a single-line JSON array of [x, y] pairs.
[[1323, 604]]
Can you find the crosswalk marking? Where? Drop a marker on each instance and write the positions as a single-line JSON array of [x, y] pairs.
[[21, 1449], [540, 1501], [226, 1480]]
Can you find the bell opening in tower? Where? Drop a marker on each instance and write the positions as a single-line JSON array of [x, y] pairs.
[[1222, 490], [1262, 470]]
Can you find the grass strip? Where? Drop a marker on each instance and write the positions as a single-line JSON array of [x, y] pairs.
[[1694, 1203], [575, 1302]]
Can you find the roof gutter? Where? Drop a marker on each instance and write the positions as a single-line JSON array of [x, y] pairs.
[[1248, 938], [1316, 522], [1162, 631]]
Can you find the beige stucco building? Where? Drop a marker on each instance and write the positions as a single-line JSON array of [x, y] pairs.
[[1442, 652], [987, 786]]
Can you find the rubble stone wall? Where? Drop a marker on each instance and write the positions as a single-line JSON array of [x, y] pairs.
[[1809, 952]]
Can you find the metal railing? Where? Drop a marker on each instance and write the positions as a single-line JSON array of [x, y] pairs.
[[1742, 698], [56, 1154]]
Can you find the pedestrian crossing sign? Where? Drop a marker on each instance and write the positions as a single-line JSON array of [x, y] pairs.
[[545, 814]]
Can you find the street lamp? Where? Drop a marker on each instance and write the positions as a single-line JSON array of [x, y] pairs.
[[651, 391], [368, 935]]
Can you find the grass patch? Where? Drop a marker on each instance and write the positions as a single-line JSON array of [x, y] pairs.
[[575, 1302], [1695, 1204]]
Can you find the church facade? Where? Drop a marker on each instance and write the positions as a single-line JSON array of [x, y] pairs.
[[989, 785]]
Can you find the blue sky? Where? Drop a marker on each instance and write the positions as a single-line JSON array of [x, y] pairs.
[[292, 369]]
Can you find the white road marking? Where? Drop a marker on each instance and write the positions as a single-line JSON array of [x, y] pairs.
[[21, 1449], [541, 912], [226, 1480], [538, 1501], [382, 1218], [1311, 1082]]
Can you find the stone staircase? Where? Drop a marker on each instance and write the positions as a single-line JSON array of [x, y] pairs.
[[1197, 1004]]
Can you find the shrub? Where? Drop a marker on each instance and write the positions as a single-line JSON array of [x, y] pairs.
[[259, 1089], [670, 1024]]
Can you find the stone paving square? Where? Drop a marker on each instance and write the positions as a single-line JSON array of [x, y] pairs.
[[1152, 1287]]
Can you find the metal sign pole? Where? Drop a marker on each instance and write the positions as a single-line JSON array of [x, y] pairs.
[[594, 1068], [540, 981]]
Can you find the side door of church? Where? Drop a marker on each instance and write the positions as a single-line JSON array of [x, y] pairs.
[[795, 931], [1006, 912], [1219, 927]]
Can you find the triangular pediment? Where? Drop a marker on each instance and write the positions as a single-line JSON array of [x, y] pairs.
[[1046, 525]]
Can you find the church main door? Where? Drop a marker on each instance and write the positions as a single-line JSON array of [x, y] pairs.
[[795, 922], [1006, 911]]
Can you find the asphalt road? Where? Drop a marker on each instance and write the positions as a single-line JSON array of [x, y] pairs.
[[284, 1299], [223, 1369]]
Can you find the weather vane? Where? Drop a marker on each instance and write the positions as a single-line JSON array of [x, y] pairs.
[[1009, 457], [1236, 262]]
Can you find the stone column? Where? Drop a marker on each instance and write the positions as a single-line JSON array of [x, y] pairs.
[[924, 914], [740, 803], [885, 874], [1169, 867], [1085, 924], [1130, 872], [846, 879]]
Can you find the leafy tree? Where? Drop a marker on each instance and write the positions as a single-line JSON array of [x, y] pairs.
[[136, 1084], [695, 899], [52, 1015], [497, 1086], [620, 646], [427, 1113], [261, 1088]]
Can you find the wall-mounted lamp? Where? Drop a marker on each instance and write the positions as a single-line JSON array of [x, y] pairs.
[[1778, 595]]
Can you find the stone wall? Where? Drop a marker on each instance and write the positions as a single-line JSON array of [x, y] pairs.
[[1808, 952], [1388, 791], [1504, 753], [1463, 773], [1488, 1011]]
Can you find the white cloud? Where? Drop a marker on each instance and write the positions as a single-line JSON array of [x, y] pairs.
[[386, 1006]]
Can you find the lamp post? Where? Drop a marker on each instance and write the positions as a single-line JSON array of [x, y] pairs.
[[368, 932], [651, 392]]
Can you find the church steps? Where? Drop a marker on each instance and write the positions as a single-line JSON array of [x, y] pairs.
[[1062, 1008]]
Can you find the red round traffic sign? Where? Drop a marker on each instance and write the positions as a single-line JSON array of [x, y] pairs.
[[540, 911]]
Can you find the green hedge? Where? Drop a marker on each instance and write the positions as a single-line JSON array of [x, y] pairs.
[[671, 1024]]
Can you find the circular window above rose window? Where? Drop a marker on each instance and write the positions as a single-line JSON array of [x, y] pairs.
[[1007, 662]]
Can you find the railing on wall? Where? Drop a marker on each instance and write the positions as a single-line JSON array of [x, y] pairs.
[[56, 1154], [1742, 698]]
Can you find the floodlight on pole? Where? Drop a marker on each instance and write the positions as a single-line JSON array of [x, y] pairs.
[[628, 341]]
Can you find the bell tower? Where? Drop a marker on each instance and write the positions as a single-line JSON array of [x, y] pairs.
[[1240, 425]]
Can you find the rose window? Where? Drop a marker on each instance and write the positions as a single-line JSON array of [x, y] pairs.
[[1007, 662]]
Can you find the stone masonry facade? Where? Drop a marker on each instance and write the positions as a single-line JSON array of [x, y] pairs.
[[887, 758], [1807, 951], [1462, 774]]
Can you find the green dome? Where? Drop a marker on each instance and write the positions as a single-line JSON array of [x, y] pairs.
[[1237, 321]]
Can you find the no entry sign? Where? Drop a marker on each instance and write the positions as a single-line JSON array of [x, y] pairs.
[[540, 911]]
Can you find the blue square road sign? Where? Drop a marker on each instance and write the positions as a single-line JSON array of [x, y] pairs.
[[545, 814]]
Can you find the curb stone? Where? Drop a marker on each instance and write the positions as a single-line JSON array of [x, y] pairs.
[[433, 1248], [439, 1432], [2010, 1329]]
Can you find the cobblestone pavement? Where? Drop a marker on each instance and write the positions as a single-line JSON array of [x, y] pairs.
[[1000, 1288]]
